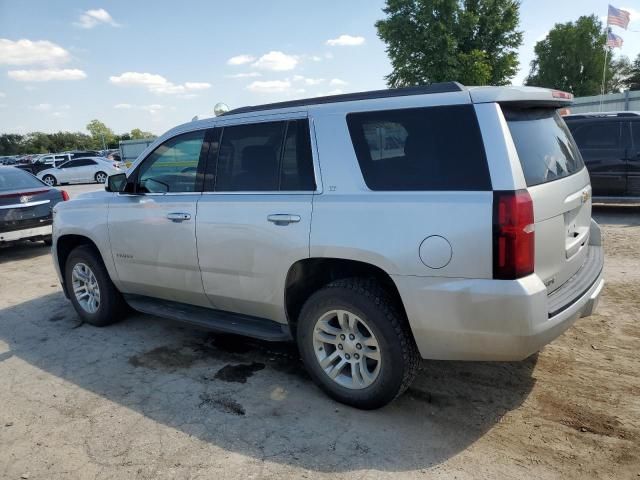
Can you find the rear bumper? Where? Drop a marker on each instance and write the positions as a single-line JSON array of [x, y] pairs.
[[36, 232], [470, 319]]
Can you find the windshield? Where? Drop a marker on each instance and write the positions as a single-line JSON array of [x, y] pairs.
[[15, 179], [545, 146]]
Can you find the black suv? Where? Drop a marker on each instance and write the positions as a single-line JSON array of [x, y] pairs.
[[610, 146]]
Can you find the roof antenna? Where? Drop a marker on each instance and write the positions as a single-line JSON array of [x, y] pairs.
[[220, 109]]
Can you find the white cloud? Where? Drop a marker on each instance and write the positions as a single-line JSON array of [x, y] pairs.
[[276, 61], [270, 86], [152, 109], [336, 82], [41, 107], [92, 18], [241, 59], [46, 75], [157, 83], [345, 41], [245, 75], [27, 52], [308, 81], [635, 14]]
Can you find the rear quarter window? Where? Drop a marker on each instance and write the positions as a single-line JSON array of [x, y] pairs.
[[420, 149], [544, 144]]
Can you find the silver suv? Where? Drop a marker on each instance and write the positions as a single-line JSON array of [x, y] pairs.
[[374, 229]]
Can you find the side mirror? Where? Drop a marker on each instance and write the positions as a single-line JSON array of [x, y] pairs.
[[116, 183]]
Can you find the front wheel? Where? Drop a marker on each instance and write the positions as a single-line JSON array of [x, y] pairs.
[[49, 180], [92, 293], [101, 177], [356, 344]]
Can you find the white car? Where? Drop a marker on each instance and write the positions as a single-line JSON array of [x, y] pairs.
[[80, 170]]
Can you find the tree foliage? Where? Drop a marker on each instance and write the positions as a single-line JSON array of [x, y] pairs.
[[471, 41], [40, 142], [571, 57], [633, 78]]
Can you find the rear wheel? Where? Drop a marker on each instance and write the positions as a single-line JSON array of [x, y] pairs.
[[92, 293], [49, 180], [356, 344], [101, 177]]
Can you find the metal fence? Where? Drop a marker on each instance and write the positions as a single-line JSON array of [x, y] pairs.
[[612, 102]]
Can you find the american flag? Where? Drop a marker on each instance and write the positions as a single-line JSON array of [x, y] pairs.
[[613, 40], [618, 17]]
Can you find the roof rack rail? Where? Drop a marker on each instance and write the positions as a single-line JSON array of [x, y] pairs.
[[604, 114], [444, 87]]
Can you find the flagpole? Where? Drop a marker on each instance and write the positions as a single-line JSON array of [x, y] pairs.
[[604, 76]]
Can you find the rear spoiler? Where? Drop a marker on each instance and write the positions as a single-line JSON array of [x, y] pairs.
[[526, 96]]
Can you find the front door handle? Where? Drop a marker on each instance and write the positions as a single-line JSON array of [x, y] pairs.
[[178, 217], [283, 218]]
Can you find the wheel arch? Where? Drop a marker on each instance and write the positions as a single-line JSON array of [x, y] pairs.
[[65, 244], [308, 275]]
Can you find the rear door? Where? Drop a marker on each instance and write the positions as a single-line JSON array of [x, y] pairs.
[[602, 144], [254, 217], [559, 186], [633, 178]]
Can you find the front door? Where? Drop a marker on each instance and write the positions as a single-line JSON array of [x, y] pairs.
[[254, 218], [602, 145], [153, 229]]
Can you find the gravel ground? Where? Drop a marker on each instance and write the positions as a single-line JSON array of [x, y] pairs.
[[147, 398]]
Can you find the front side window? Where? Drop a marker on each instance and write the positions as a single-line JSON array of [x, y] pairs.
[[270, 156], [70, 164], [597, 135], [420, 149], [173, 166]]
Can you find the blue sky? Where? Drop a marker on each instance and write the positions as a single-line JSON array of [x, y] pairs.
[[153, 65]]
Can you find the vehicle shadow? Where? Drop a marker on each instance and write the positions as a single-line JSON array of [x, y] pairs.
[[622, 215], [22, 251], [254, 398]]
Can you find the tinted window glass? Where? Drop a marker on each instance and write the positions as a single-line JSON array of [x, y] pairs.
[[596, 135], [635, 133], [69, 164], [297, 163], [545, 146], [437, 148], [249, 157], [14, 179], [173, 166]]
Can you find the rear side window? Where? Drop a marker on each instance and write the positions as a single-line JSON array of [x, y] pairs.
[[597, 135], [435, 148], [270, 156], [544, 144]]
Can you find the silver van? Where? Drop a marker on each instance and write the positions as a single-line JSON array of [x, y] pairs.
[[374, 229]]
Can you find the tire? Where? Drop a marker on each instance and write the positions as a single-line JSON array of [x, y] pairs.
[[367, 304], [111, 306], [100, 177], [50, 180]]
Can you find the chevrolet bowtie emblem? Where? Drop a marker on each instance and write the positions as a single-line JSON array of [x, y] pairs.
[[585, 196]]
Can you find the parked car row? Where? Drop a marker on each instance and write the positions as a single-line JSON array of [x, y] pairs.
[[80, 170]]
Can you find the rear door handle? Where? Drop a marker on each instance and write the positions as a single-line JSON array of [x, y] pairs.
[[283, 218], [178, 217]]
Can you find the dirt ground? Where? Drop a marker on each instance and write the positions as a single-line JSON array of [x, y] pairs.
[[147, 398]]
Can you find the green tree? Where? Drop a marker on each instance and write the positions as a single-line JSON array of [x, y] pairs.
[[101, 135], [633, 79], [10, 143], [137, 134], [472, 41], [571, 57]]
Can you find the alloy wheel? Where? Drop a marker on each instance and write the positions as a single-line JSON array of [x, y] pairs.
[[346, 349], [85, 287]]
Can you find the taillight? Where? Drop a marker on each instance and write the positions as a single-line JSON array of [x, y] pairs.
[[513, 234], [65, 195]]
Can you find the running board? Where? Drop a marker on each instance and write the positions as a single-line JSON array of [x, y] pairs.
[[209, 319]]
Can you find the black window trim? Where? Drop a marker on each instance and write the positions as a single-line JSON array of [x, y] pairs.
[[212, 163]]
